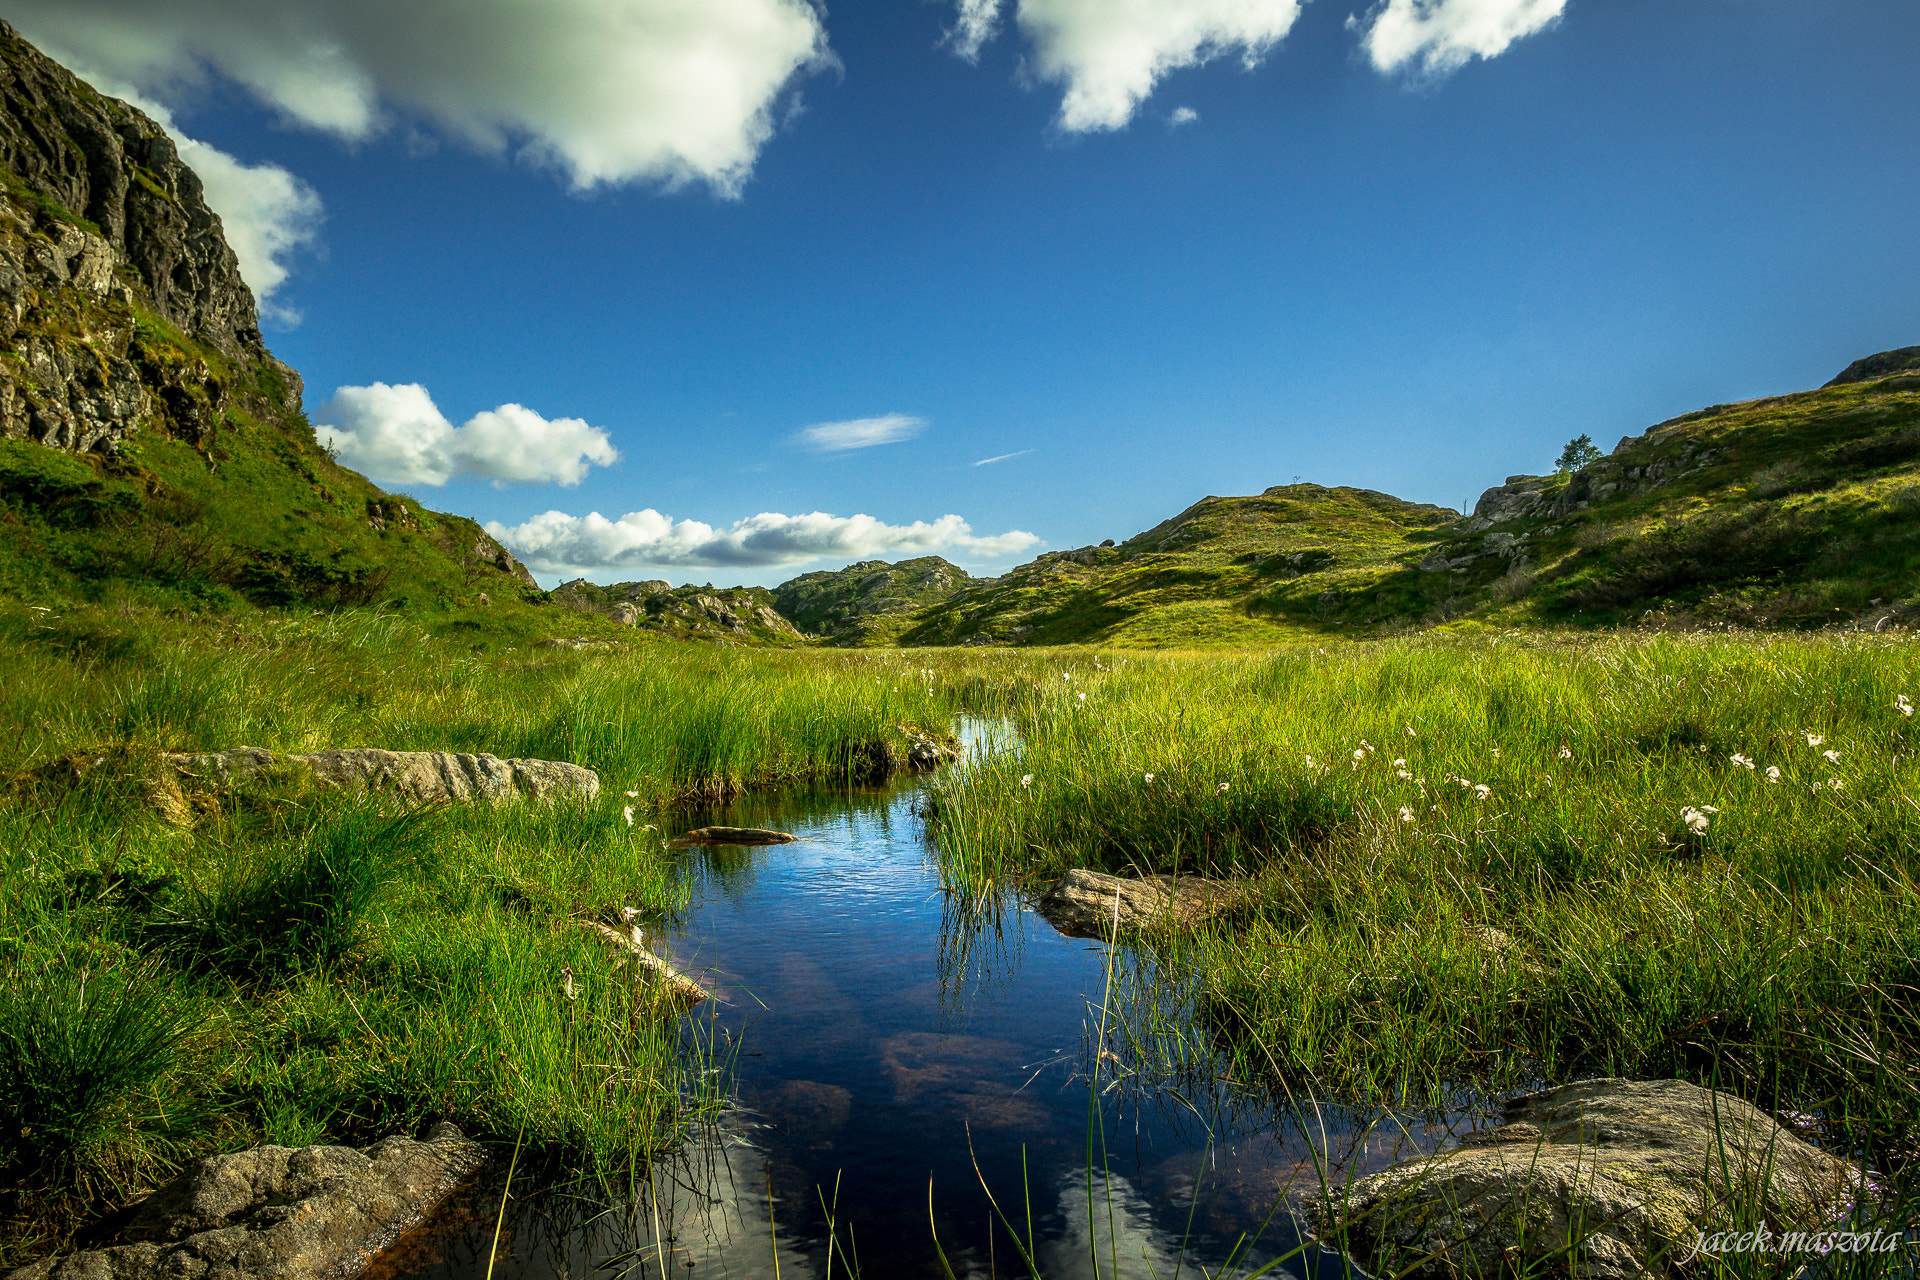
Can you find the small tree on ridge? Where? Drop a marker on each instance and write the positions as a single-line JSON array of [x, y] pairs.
[[1579, 452]]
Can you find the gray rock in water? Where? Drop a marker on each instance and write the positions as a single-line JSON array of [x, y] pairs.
[[1627, 1173], [418, 777], [274, 1213], [1082, 904]]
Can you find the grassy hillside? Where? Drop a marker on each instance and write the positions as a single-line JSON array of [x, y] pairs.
[[728, 614], [1791, 511], [1199, 578], [870, 602]]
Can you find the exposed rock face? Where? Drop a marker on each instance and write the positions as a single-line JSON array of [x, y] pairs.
[[123, 228], [744, 613], [1082, 904], [273, 1213], [416, 777], [1885, 364], [1625, 1171]]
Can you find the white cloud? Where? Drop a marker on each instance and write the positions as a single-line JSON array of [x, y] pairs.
[[560, 543], [397, 435], [1442, 35], [975, 25], [861, 433], [609, 91], [1110, 53], [266, 212], [1182, 116], [1002, 457]]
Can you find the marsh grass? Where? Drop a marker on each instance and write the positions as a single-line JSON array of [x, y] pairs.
[[1470, 862]]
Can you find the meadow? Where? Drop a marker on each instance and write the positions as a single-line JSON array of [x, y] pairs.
[[1470, 863]]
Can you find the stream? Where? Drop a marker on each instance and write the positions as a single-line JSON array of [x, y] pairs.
[[899, 1054]]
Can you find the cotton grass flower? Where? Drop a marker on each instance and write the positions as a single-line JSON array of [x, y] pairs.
[[1745, 762], [1901, 704], [1482, 791], [1696, 821], [1814, 739], [1406, 813], [1566, 752], [1773, 773], [1834, 784], [1149, 777], [627, 813], [1399, 764], [1026, 779], [1222, 788], [1832, 757]]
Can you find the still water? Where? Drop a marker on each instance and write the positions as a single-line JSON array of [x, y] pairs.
[[899, 1054]]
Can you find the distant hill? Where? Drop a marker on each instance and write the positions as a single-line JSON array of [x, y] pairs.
[[151, 447], [1205, 576], [867, 603], [682, 613]]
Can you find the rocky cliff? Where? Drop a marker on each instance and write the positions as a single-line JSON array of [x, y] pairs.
[[147, 436]]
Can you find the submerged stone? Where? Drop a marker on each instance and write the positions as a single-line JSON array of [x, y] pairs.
[[733, 835], [1625, 1175], [275, 1213]]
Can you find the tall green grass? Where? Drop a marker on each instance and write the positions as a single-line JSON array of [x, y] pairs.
[[1471, 862]]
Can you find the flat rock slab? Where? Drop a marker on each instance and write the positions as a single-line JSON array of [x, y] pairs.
[[733, 835], [1082, 904], [1627, 1173], [275, 1213], [417, 777]]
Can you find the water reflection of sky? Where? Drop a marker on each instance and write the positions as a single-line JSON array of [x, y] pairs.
[[891, 1039]]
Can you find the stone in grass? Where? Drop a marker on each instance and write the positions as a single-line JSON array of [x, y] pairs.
[[1625, 1174], [416, 777], [1081, 904], [274, 1213]]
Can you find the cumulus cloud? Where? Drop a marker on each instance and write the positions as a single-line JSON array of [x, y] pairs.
[[1109, 54], [268, 213], [1182, 116], [1438, 36], [861, 433], [608, 91], [560, 543], [397, 435]]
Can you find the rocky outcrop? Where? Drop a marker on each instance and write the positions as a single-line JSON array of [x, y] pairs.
[[1884, 365], [744, 613], [115, 225], [274, 1213], [847, 605], [415, 777], [1624, 1173], [1087, 904]]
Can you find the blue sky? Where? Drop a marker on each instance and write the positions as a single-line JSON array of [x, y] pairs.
[[1417, 279]]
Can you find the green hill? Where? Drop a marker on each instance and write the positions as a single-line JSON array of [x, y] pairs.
[[152, 450], [1205, 576], [1789, 511], [728, 614], [867, 603]]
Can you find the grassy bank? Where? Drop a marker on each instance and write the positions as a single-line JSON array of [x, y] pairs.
[[1488, 863], [298, 967]]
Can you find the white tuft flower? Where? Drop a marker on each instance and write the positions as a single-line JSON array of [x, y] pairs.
[[1773, 773], [1814, 739], [1411, 733], [1082, 697], [627, 813], [1149, 777], [1311, 764], [1566, 752], [1901, 704], [1399, 764], [1833, 757], [1745, 762], [1406, 813], [1835, 784], [633, 795], [566, 981], [1482, 792], [1359, 753], [1026, 779], [1403, 775], [1496, 753], [1222, 788], [1816, 786], [1696, 821]]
